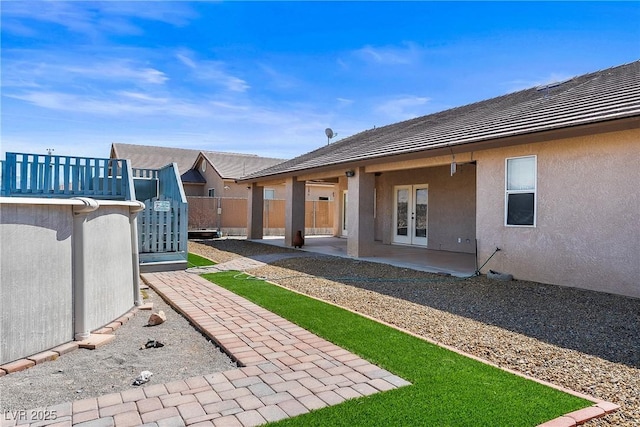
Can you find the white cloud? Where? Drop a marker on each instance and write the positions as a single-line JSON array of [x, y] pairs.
[[213, 72], [277, 78], [408, 53], [186, 60], [229, 106], [343, 102], [95, 18], [114, 104], [37, 68], [122, 70], [138, 96], [342, 64], [402, 108]]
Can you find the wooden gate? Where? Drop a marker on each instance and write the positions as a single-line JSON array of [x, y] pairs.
[[162, 225]]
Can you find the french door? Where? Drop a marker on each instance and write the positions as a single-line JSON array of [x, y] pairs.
[[410, 214]]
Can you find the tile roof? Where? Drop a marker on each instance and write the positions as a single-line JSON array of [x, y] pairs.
[[193, 176], [236, 166], [152, 157], [228, 165], [596, 97]]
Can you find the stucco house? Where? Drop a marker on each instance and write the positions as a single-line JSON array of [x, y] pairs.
[[550, 175], [203, 173], [210, 181]]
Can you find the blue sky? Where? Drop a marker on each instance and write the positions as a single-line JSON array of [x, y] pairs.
[[269, 77]]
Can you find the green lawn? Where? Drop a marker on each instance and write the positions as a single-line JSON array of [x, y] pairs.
[[194, 260], [447, 389]]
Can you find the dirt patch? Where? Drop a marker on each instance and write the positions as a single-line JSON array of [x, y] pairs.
[[112, 368]]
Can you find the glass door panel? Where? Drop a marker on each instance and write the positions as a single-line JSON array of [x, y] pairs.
[[420, 204], [402, 214], [410, 216]]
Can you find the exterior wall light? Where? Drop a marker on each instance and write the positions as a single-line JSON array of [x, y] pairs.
[[350, 173]]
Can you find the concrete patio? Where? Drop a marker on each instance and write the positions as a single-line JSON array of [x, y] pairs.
[[457, 264]]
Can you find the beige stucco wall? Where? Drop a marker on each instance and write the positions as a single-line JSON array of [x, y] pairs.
[[588, 213], [314, 192], [192, 189], [451, 205]]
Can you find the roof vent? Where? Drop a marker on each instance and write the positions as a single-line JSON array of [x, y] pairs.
[[552, 85]]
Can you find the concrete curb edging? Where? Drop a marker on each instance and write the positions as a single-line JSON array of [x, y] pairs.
[[581, 416]]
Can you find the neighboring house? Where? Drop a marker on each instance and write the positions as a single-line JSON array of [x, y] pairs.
[[212, 173], [209, 179], [219, 172], [224, 168], [550, 175]]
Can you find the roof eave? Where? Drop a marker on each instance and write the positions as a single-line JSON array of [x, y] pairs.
[[577, 130]]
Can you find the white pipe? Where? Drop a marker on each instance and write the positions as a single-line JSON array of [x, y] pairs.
[[80, 213], [135, 258]]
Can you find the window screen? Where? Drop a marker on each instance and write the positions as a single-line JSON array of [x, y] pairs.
[[521, 191]]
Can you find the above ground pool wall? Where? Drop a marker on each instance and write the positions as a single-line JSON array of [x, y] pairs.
[[67, 267]]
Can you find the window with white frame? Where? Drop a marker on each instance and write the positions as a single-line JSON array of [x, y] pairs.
[[520, 199], [269, 194], [212, 192]]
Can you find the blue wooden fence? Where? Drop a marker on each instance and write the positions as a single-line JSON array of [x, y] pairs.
[[162, 225], [36, 175]]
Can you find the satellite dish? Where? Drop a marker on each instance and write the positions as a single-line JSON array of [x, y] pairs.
[[330, 134]]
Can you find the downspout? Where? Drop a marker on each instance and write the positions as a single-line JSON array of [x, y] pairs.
[[135, 258], [80, 213]]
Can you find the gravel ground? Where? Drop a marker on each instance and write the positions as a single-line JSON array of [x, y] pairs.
[[114, 366], [585, 341]]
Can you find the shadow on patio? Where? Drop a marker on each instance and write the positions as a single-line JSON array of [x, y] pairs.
[[457, 264]]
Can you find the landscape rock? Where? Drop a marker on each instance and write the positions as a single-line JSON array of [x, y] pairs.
[[157, 318]]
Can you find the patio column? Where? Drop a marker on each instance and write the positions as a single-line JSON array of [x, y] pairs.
[[294, 209], [360, 213], [255, 208]]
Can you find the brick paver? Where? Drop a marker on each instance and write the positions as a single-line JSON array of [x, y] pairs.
[[285, 370], [18, 365]]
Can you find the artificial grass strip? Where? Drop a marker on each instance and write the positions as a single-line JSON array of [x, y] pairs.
[[447, 389], [194, 260]]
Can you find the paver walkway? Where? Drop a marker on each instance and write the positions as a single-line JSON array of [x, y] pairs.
[[286, 370]]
